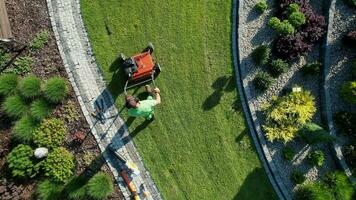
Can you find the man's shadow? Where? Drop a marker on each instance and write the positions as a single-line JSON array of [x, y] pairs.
[[137, 130]]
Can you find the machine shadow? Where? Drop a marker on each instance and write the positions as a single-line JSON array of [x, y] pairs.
[[117, 83]]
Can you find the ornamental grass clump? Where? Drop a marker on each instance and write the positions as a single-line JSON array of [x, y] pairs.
[[278, 67], [76, 188], [100, 186], [20, 161], [8, 83], [30, 86], [348, 92], [297, 177], [59, 165], [316, 158], [47, 190], [286, 115], [261, 54], [24, 129], [56, 89], [15, 106], [263, 81], [40, 109], [50, 134]]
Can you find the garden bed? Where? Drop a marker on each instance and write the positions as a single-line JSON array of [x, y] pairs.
[[27, 19]]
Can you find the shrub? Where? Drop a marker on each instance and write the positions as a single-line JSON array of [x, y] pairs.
[[76, 188], [350, 39], [262, 6], [40, 109], [100, 186], [274, 22], [277, 67], [30, 86], [311, 68], [316, 158], [4, 58], [8, 83], [297, 19], [48, 190], [348, 92], [50, 134], [20, 162], [39, 40], [297, 177], [312, 133], [313, 191], [346, 121], [351, 3], [288, 153], [263, 81], [350, 155], [293, 7], [282, 27], [315, 28], [14, 106], [24, 129], [285, 115], [261, 54], [23, 65], [59, 165], [354, 67], [291, 47], [56, 89], [340, 186]]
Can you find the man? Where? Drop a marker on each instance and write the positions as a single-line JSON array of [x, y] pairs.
[[143, 108]]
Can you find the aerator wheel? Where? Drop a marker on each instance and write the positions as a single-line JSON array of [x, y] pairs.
[[122, 56], [149, 48]]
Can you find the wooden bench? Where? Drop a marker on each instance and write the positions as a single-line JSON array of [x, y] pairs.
[[5, 29]]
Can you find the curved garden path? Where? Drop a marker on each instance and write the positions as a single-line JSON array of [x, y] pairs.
[[89, 86]]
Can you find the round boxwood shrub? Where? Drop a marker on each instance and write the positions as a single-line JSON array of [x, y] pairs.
[[261, 54], [297, 19], [24, 129], [50, 134], [30, 86], [56, 89], [348, 92], [20, 161], [297, 177], [59, 165], [100, 186], [277, 67], [40, 109], [316, 158], [263, 81], [262, 6], [312, 133], [8, 83], [47, 190], [15, 106]]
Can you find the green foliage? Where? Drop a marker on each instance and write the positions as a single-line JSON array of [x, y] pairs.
[[277, 67], [59, 165], [14, 106], [48, 190], [285, 115], [23, 65], [311, 68], [30, 86], [274, 22], [350, 155], [348, 92], [20, 162], [346, 121], [297, 19], [261, 54], [76, 188], [100, 186], [56, 89], [312, 133], [263, 81], [262, 6], [4, 58], [293, 7], [282, 27], [354, 67], [8, 83], [339, 184], [50, 134], [70, 112], [24, 129], [39, 40], [316, 158], [297, 177], [288, 153], [40, 109], [313, 191]]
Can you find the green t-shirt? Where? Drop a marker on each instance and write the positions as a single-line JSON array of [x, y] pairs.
[[145, 108]]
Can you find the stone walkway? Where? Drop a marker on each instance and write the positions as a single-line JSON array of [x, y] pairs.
[[89, 87]]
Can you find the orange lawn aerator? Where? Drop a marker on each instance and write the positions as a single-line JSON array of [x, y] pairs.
[[140, 68]]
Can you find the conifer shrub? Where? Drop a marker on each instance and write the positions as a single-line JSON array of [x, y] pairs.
[[296, 18], [339, 184], [100, 186], [8, 83], [41, 109], [283, 27], [316, 158], [59, 165], [263, 81], [47, 190], [30, 86], [24, 129], [297, 177], [312, 133], [20, 161], [277, 67], [50, 134], [262, 6], [346, 122], [348, 92], [15, 106], [76, 188], [311, 68], [288, 153], [56, 89], [261, 54], [313, 191]]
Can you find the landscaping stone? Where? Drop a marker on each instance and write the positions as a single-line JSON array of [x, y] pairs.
[[41, 152]]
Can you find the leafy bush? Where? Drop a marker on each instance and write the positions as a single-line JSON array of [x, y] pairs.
[[316, 158], [291, 47], [313, 191], [288, 153], [14, 106], [48, 190], [274, 22], [348, 92], [293, 7], [312, 133], [346, 121], [23, 65], [285, 115], [282, 27], [340, 186], [100, 186], [263, 81], [350, 155], [76, 188], [262, 6], [351, 3], [277, 67], [56, 89], [4, 58], [20, 162], [59, 165], [40, 109], [50, 134], [24, 129], [8, 83], [311, 68], [261, 54], [30, 86], [39, 40], [297, 19], [297, 177]]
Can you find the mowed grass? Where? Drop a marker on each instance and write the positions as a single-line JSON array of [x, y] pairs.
[[198, 146]]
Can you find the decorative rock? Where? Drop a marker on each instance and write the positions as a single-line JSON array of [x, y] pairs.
[[2, 189], [41, 152]]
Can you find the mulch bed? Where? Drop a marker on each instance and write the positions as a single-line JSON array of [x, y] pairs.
[[28, 17]]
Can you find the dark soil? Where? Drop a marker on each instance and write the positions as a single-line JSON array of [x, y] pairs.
[[28, 17]]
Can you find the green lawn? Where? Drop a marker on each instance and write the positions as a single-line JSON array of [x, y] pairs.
[[198, 146]]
